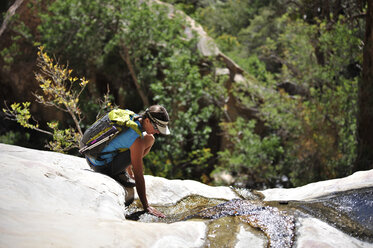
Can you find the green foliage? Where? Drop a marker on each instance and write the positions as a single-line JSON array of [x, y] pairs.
[[228, 17], [174, 78], [20, 34], [152, 38], [195, 163], [14, 138], [316, 129], [143, 50], [8, 54], [252, 158], [263, 28], [329, 115], [63, 140], [255, 68], [194, 97], [318, 132], [79, 29], [21, 113]]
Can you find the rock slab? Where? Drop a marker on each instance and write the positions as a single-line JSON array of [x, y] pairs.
[[54, 200], [49, 199]]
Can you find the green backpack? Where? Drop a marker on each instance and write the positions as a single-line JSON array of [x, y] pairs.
[[97, 136]]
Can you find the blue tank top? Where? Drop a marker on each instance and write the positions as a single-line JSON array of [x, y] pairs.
[[122, 141]]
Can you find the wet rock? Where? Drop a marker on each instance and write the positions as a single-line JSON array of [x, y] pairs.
[[349, 211], [175, 212], [277, 225], [249, 237]]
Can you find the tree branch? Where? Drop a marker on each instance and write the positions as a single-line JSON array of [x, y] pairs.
[[126, 57], [9, 14]]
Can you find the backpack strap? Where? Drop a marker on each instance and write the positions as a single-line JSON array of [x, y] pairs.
[[101, 139], [124, 117]]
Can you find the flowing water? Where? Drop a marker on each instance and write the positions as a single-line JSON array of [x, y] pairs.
[[272, 222], [350, 211], [277, 225]]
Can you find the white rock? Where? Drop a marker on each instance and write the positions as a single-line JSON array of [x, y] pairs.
[[310, 191], [51, 182], [54, 200], [316, 233], [161, 191], [40, 229], [246, 238]]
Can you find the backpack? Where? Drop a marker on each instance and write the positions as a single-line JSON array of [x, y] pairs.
[[98, 136]]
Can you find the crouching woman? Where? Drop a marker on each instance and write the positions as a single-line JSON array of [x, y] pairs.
[[118, 164]]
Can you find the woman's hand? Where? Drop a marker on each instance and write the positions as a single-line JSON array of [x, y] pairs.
[[155, 212]]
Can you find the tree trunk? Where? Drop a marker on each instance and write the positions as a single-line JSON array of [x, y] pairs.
[[126, 57], [365, 116]]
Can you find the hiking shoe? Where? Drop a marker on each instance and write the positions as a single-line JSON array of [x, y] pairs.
[[125, 180]]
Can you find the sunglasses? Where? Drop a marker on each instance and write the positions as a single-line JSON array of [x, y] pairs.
[[154, 126]]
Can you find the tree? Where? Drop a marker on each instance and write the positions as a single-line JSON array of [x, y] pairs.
[[365, 116], [319, 55], [61, 91]]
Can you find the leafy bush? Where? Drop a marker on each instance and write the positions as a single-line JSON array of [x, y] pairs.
[[61, 91], [316, 127], [14, 138], [254, 160]]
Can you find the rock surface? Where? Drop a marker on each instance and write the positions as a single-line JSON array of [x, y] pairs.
[[54, 200], [361, 179], [315, 233]]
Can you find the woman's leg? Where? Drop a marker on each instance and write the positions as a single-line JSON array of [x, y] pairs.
[[118, 169], [122, 178], [122, 162]]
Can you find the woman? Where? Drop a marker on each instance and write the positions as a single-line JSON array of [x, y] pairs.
[[114, 163]]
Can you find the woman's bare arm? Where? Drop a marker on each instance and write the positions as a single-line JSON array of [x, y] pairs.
[[137, 152]]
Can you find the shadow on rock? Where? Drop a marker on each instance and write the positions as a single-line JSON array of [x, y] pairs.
[[135, 216]]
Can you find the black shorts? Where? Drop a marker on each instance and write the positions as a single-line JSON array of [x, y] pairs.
[[116, 167]]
